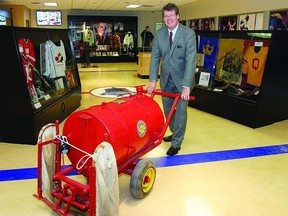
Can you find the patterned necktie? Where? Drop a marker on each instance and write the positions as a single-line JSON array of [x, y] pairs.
[[170, 39]]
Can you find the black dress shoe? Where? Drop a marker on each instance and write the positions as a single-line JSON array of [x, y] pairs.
[[173, 150], [167, 138]]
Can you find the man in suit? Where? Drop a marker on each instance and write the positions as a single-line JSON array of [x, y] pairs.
[[177, 70]]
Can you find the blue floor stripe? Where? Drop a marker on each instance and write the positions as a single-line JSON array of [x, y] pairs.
[[177, 160]]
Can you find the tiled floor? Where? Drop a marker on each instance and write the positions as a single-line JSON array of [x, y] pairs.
[[223, 168]]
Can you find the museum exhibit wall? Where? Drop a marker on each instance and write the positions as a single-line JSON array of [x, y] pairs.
[[193, 10], [211, 8]]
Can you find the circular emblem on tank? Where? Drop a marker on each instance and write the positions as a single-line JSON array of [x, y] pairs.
[[141, 128]]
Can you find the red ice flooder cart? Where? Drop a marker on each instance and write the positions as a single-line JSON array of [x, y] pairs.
[[101, 142]]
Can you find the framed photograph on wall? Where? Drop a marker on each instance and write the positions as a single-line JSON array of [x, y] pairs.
[[228, 23], [194, 24], [247, 22], [208, 24], [278, 20], [259, 21]]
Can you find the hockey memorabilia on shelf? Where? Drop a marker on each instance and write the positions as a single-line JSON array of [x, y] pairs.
[[209, 47], [228, 23], [278, 20], [227, 46], [107, 36], [53, 77], [261, 96], [200, 59], [27, 54], [254, 62], [232, 68], [28, 59], [204, 79], [33, 69]]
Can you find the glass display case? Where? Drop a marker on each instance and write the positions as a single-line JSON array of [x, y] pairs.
[[240, 75], [40, 81], [104, 39]]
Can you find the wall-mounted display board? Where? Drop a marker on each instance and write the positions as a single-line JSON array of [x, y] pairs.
[[247, 82], [278, 20], [104, 39], [39, 81]]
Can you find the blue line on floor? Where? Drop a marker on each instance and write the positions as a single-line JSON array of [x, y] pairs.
[[177, 160]]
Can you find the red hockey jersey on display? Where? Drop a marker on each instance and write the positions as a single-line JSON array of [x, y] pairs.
[[28, 58]]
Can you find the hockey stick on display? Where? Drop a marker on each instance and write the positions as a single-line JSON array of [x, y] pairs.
[[41, 77]]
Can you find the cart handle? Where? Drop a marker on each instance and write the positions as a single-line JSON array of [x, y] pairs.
[[140, 90]]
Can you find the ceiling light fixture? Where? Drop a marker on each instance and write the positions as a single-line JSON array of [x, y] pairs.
[[50, 4], [133, 6]]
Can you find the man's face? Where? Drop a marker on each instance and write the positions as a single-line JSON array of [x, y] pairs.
[[171, 19]]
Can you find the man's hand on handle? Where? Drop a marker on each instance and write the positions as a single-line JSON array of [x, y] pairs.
[[151, 87]]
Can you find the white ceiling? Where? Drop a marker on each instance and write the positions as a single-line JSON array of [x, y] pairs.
[[147, 5]]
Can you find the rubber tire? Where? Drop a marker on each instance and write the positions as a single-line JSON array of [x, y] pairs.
[[144, 168]]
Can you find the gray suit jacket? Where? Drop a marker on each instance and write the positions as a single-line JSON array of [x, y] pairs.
[[180, 61]]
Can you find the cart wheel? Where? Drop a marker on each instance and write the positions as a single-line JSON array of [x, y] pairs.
[[142, 179]]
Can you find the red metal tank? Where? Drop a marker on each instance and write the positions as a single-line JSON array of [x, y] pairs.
[[129, 124]]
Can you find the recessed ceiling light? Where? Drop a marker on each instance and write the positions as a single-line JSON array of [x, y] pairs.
[[50, 4], [35, 3], [133, 6]]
